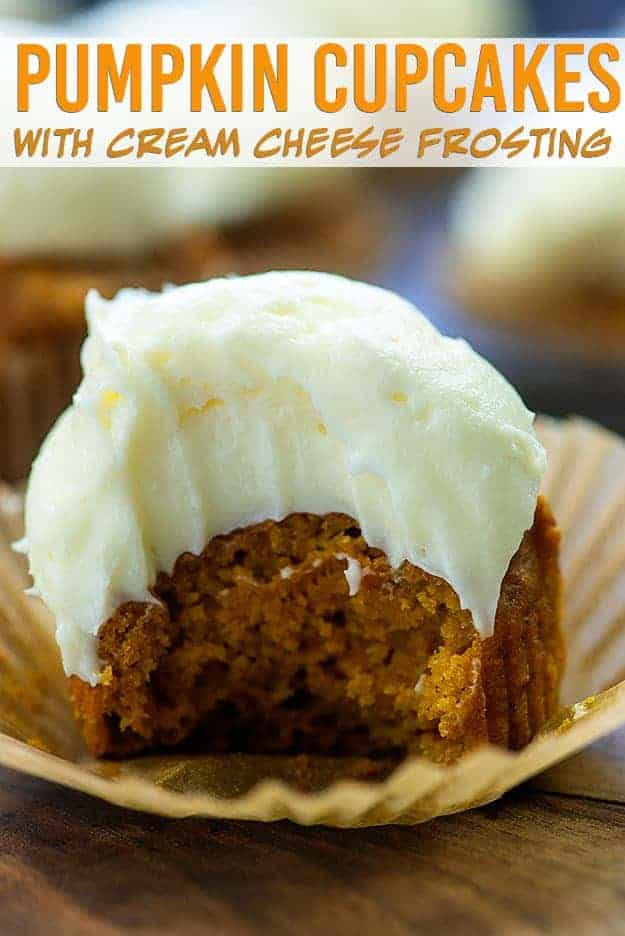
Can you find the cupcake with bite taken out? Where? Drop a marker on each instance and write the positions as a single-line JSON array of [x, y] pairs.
[[284, 514]]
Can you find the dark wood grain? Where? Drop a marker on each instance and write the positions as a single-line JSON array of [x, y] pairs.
[[536, 861]]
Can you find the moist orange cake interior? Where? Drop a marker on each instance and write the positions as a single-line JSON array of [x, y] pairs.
[[257, 645]]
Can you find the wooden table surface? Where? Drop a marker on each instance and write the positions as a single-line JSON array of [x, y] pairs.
[[549, 857]]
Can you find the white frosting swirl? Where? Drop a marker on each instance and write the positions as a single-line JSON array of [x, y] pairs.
[[221, 404]]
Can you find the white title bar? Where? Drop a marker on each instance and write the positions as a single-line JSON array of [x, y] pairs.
[[312, 102]]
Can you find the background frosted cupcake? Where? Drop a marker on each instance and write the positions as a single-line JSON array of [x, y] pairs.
[[316, 18], [37, 9], [64, 230], [544, 249]]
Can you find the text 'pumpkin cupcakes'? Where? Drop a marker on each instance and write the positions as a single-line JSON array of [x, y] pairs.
[[285, 514]]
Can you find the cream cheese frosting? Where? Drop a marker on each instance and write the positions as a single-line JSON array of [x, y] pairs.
[[217, 405], [548, 227]]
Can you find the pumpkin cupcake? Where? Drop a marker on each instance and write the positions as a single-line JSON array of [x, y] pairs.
[[284, 514]]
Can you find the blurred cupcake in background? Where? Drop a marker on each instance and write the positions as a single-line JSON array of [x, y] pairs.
[[544, 250], [65, 230], [405, 18], [41, 10], [314, 18]]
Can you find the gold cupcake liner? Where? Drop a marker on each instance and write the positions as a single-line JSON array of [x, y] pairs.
[[586, 487]]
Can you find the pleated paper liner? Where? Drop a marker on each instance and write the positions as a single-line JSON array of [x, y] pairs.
[[586, 487]]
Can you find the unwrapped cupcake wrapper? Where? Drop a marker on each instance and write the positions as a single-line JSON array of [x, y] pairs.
[[36, 384], [586, 488]]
